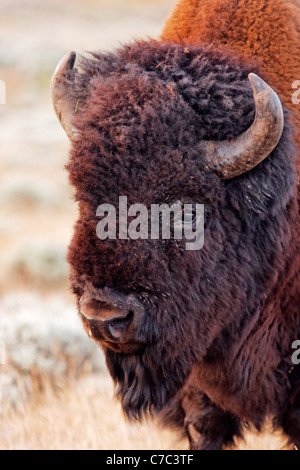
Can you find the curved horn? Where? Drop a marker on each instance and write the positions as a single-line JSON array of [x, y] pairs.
[[230, 158], [61, 91]]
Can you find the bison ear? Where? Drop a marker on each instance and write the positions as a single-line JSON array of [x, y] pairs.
[[230, 158], [63, 93]]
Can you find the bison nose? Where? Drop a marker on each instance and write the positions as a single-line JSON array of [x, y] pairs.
[[112, 317]]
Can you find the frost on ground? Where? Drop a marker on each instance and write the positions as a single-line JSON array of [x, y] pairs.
[[42, 341]]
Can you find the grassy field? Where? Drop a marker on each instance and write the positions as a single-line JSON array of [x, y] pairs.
[[55, 392]]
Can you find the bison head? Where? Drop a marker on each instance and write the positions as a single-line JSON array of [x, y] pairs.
[[161, 123]]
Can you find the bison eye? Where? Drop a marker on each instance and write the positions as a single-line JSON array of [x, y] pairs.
[[189, 217]]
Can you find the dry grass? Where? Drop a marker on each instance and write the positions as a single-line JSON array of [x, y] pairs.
[[86, 416], [83, 416]]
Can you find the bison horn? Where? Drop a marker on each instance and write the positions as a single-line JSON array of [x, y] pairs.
[[62, 92], [230, 158]]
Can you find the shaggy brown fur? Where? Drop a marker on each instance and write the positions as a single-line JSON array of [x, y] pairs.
[[219, 322], [268, 30]]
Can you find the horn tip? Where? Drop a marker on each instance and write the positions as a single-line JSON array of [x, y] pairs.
[[72, 58], [257, 83], [66, 62], [64, 66]]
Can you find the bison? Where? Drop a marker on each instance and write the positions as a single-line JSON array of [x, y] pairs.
[[201, 338]]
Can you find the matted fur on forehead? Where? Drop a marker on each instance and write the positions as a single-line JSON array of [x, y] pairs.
[[143, 110], [209, 88]]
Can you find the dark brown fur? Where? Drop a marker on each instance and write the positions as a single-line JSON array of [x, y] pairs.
[[220, 321]]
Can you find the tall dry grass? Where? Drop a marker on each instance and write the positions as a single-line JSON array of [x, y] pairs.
[[81, 416]]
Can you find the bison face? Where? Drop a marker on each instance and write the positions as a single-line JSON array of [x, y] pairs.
[[150, 123]]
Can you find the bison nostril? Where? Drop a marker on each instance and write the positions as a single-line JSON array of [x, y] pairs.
[[113, 319], [118, 327]]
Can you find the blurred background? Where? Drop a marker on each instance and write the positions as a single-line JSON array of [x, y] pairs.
[[55, 392]]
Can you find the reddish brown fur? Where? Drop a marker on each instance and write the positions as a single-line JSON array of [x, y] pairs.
[[264, 29], [219, 322]]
